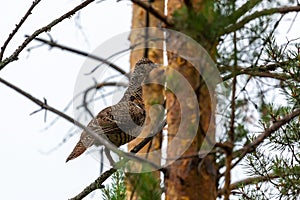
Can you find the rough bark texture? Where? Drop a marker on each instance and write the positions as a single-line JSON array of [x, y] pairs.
[[191, 178], [152, 94]]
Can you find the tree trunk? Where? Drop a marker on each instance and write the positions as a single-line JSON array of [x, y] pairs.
[[152, 94], [190, 178]]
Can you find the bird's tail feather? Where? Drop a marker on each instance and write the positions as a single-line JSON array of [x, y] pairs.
[[77, 151]]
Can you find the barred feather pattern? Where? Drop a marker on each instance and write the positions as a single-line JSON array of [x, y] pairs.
[[122, 122]]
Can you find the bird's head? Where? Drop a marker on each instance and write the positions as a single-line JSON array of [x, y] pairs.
[[141, 71], [143, 67]]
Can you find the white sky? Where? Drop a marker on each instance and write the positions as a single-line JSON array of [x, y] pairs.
[[25, 171]]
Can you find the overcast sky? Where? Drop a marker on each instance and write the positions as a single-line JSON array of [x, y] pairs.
[[27, 171]]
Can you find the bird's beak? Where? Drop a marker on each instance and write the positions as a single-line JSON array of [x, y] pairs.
[[160, 69], [157, 72]]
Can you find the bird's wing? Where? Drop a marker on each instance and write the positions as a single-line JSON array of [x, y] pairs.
[[129, 114], [104, 122], [115, 123], [124, 116]]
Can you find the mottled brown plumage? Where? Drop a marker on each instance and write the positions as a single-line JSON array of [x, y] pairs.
[[121, 122]]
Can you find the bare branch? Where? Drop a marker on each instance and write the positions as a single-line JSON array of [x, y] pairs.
[[51, 43], [37, 101], [97, 184], [249, 181], [278, 76], [262, 71], [18, 26], [98, 86], [15, 54]]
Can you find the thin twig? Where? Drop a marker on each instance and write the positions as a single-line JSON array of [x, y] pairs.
[[70, 103], [262, 71], [18, 26], [15, 54], [278, 76], [248, 181], [98, 86], [51, 43], [37, 101], [131, 47], [264, 45]]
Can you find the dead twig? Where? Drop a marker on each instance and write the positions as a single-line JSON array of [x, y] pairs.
[[52, 43], [18, 26], [15, 54]]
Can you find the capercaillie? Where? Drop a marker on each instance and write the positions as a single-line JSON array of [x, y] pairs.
[[122, 122]]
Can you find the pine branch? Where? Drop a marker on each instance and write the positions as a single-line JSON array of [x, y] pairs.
[[262, 71], [241, 153], [248, 181], [257, 14], [254, 72], [231, 132], [241, 11]]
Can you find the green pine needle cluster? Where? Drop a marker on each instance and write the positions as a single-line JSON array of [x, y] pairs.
[[117, 189]]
